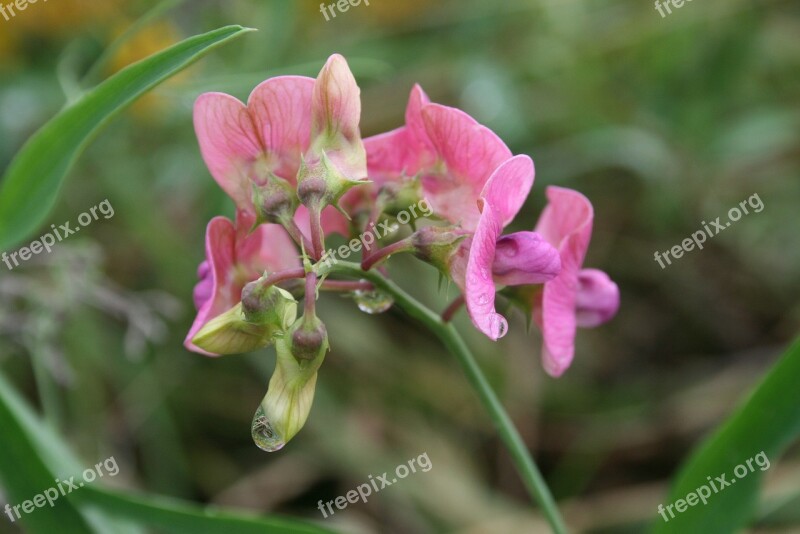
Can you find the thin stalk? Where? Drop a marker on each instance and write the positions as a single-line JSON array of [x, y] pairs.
[[450, 337]]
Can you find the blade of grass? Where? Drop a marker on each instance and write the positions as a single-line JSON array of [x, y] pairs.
[[31, 184]]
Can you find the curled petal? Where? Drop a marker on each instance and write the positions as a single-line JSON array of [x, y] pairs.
[[480, 290], [525, 258], [336, 102], [205, 285], [598, 298], [566, 223], [508, 187]]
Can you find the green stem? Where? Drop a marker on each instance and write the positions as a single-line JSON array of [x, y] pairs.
[[452, 340]]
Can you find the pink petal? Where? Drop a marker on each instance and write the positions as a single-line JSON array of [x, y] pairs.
[[220, 243], [405, 150], [480, 289], [470, 153], [336, 102], [566, 223], [524, 258], [228, 143], [332, 221], [598, 298], [281, 111], [508, 187]]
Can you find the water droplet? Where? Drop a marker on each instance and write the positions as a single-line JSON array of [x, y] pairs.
[[264, 435], [485, 273], [373, 301], [483, 299], [499, 325]]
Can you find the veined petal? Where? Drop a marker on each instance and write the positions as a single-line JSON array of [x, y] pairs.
[[281, 112], [524, 258], [480, 290], [598, 298], [468, 154], [405, 150], [228, 143]]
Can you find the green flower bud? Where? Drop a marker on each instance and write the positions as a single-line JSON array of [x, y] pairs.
[[291, 388], [437, 245], [322, 182], [275, 201], [269, 305], [263, 315]]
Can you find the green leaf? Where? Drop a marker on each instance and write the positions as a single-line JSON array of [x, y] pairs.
[[32, 182], [34, 456], [768, 421]]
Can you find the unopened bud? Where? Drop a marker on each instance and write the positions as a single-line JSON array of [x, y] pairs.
[[322, 183], [397, 197], [309, 339], [275, 201], [230, 333], [437, 245]]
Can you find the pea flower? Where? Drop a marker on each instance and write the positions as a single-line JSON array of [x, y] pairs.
[[470, 178], [576, 297], [233, 259], [293, 129]]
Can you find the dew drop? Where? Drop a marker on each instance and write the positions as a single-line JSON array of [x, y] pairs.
[[373, 301], [264, 435], [483, 299]]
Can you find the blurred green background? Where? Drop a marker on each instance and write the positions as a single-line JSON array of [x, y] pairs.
[[661, 122]]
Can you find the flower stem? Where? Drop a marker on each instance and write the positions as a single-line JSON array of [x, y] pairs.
[[452, 340], [404, 245]]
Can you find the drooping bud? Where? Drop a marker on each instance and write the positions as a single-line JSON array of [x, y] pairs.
[[438, 245], [254, 323], [285, 408]]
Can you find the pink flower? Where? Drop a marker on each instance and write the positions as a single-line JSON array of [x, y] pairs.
[[576, 297], [234, 259], [470, 178], [521, 258], [453, 154], [287, 120]]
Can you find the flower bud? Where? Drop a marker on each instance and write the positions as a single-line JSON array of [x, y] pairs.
[[254, 323], [275, 201], [291, 388], [321, 182], [270, 305], [230, 333], [437, 245], [397, 197]]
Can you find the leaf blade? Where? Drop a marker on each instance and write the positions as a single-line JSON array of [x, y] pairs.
[[33, 179]]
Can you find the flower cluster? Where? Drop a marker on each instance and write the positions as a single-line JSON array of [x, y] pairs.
[[294, 162]]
